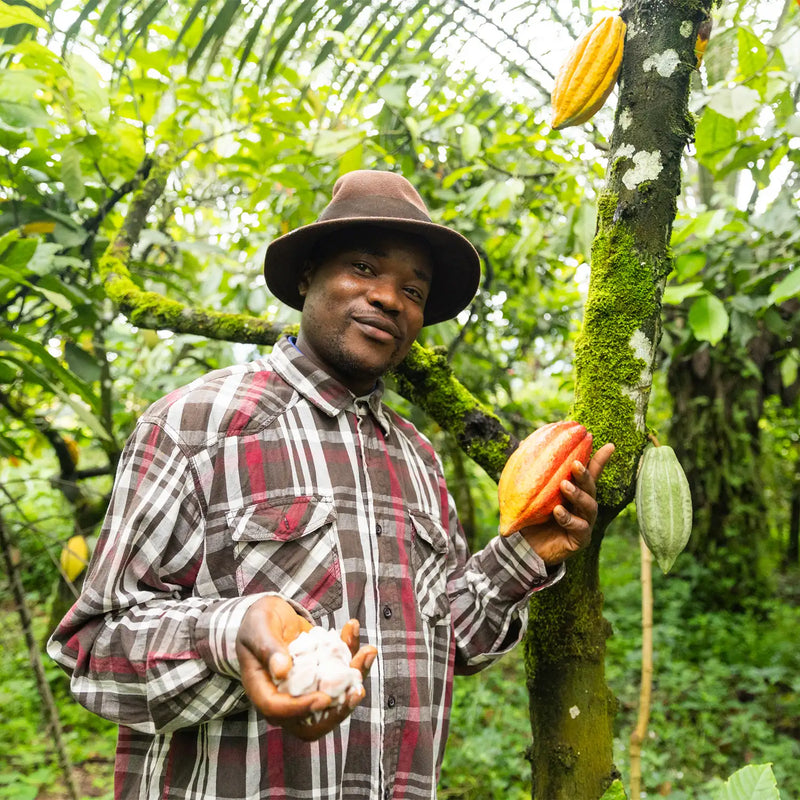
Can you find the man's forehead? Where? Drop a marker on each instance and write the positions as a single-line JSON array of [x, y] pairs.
[[378, 243]]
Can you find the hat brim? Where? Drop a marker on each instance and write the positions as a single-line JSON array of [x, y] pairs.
[[456, 264]]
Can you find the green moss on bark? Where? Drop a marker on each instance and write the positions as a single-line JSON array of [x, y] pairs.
[[622, 299], [426, 379]]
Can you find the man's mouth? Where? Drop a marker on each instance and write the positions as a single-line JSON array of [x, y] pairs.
[[379, 328]]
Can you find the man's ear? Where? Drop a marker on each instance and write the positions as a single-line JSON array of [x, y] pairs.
[[305, 279]]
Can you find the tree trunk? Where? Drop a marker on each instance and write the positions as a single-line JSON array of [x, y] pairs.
[[572, 708]]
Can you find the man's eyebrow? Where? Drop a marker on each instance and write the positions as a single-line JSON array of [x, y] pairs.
[[368, 250], [377, 252]]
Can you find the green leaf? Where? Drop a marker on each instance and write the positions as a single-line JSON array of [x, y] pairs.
[[675, 295], [753, 782], [20, 116], [752, 53], [714, 136], [20, 15], [735, 102], [789, 368], [20, 253], [470, 141], [19, 85], [334, 143], [708, 319], [71, 383], [71, 174], [89, 94], [83, 364], [8, 373], [91, 421], [394, 94], [786, 288], [688, 265], [8, 238], [615, 792]]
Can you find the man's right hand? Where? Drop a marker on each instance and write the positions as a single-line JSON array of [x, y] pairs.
[[268, 627]]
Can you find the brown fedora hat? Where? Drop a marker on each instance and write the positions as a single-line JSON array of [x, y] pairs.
[[387, 200]]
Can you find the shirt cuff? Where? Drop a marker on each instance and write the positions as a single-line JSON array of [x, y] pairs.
[[525, 572], [218, 627]]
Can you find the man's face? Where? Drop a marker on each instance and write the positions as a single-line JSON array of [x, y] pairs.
[[364, 303]]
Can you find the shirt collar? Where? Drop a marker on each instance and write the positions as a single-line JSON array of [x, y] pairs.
[[320, 389]]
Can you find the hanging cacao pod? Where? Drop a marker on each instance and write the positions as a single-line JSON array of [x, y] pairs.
[[73, 450], [74, 557], [589, 73], [703, 35], [663, 505], [530, 484]]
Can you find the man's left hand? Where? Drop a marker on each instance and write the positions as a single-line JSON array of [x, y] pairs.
[[569, 529]]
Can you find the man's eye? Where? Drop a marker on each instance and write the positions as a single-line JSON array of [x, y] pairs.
[[415, 293], [362, 266]]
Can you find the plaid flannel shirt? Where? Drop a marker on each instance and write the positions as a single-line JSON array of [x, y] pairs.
[[272, 477]]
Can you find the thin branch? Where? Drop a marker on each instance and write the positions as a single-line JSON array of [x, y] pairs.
[[646, 688]]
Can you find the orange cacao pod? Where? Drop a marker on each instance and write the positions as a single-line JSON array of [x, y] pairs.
[[588, 75], [530, 484]]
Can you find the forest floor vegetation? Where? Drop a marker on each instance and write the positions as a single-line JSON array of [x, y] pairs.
[[726, 693]]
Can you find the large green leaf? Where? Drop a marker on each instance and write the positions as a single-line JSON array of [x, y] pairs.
[[786, 288], [753, 782], [708, 319], [714, 136], [70, 382], [20, 15], [734, 102], [40, 378]]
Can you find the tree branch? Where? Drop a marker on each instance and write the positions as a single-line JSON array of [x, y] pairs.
[[424, 378]]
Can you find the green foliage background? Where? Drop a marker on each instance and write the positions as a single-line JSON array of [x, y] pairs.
[[426, 89]]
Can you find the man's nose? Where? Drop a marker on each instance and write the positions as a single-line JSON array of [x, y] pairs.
[[385, 294]]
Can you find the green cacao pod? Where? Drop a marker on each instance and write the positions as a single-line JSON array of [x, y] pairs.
[[663, 505]]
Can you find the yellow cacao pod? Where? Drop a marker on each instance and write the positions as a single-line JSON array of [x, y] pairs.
[[74, 557], [530, 484], [588, 75], [73, 450], [703, 35], [663, 505]]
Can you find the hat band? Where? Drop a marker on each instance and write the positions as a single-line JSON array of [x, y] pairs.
[[375, 206]]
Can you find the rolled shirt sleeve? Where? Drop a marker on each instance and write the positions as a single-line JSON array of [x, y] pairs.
[[140, 649]]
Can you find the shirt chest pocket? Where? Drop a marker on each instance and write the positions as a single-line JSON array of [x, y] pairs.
[[288, 545], [429, 560]]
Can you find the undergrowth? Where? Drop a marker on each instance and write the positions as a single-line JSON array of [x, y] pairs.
[[726, 693], [29, 768]]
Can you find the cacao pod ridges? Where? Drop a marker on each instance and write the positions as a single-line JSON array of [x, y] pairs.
[[663, 505], [589, 73], [530, 483]]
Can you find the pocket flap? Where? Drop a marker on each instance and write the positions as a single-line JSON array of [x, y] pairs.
[[281, 519], [430, 530]]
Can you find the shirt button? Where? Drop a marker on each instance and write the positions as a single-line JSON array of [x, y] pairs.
[[387, 793], [378, 530], [387, 612], [391, 702]]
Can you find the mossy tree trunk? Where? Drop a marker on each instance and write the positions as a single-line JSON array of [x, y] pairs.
[[571, 707]]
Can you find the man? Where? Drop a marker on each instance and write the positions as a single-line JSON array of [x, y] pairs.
[[270, 497]]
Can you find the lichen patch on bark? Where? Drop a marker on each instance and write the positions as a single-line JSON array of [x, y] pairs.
[[663, 63], [647, 166]]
